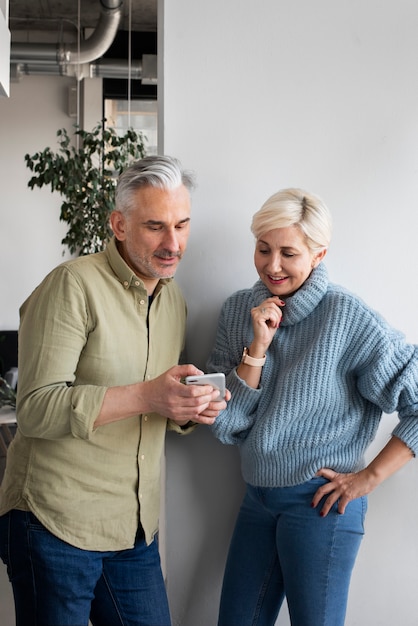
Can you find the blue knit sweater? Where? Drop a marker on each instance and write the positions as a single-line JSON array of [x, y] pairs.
[[333, 366]]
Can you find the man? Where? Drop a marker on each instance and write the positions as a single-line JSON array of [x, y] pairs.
[[99, 343]]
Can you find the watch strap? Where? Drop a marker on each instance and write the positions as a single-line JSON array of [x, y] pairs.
[[249, 360]]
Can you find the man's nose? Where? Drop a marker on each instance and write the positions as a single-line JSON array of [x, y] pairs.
[[171, 240]]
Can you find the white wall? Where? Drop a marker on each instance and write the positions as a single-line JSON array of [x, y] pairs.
[[259, 96], [30, 231]]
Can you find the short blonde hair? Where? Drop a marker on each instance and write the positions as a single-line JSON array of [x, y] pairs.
[[295, 207]]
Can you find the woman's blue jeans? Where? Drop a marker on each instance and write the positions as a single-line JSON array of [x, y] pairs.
[[281, 546], [56, 584]]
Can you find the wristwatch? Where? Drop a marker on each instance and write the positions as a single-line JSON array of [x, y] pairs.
[[249, 360]]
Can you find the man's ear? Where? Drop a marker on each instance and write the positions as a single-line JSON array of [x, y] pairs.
[[318, 257], [118, 225]]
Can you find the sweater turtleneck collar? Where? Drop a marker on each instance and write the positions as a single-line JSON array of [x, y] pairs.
[[304, 301]]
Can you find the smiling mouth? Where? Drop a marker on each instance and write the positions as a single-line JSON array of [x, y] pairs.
[[277, 279]]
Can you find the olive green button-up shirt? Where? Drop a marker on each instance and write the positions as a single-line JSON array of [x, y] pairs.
[[85, 328]]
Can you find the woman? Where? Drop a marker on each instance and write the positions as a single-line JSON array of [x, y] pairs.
[[310, 368]]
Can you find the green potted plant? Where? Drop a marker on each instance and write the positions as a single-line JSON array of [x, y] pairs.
[[84, 170]]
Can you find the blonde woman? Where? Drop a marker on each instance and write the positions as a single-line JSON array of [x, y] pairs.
[[311, 368]]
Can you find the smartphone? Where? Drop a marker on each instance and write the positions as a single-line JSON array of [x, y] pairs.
[[215, 380]]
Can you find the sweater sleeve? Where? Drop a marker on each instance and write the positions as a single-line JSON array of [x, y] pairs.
[[389, 379], [233, 333]]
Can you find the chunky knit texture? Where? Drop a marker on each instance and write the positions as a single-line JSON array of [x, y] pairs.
[[333, 366]]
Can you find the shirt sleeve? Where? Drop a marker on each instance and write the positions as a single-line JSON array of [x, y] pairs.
[[53, 333]]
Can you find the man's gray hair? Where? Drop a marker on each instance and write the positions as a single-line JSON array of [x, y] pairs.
[[162, 172]]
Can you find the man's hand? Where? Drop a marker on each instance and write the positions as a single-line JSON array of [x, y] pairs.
[[165, 395], [209, 415], [168, 396]]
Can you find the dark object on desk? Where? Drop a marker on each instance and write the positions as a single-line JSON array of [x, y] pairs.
[[7, 394], [7, 432], [8, 350]]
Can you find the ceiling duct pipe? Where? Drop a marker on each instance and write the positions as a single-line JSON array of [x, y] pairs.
[[72, 54], [144, 69]]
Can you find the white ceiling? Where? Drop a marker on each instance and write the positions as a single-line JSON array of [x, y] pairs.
[[56, 15]]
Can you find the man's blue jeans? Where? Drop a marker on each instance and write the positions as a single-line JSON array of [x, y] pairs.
[[56, 584], [281, 547]]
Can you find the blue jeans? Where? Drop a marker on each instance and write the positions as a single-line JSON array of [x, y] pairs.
[[56, 584], [282, 547]]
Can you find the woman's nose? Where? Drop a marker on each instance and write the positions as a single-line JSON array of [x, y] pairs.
[[275, 263]]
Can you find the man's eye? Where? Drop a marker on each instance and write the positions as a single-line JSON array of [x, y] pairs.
[[264, 251]]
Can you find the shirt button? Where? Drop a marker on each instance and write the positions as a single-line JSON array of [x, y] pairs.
[[137, 283], [125, 284], [146, 418], [142, 457], [142, 302]]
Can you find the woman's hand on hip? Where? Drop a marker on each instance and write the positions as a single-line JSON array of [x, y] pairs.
[[346, 487], [341, 488]]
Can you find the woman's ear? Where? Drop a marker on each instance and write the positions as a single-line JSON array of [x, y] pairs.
[[118, 225], [318, 257]]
